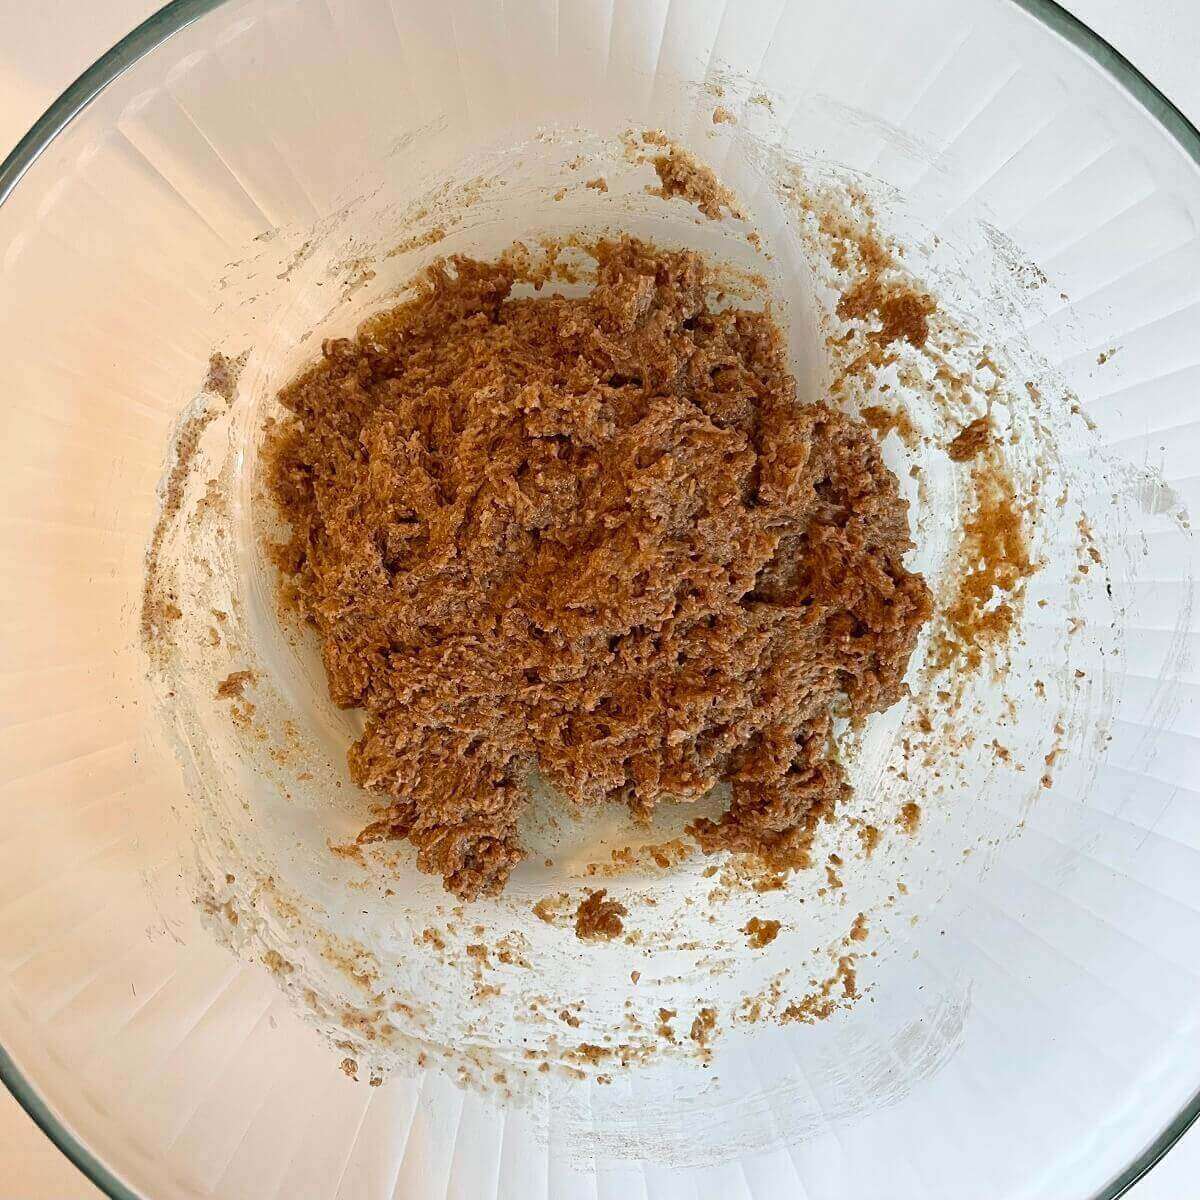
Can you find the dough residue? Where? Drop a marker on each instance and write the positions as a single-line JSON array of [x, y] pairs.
[[970, 440], [681, 173], [598, 919]]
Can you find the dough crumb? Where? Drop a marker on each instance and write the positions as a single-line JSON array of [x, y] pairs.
[[970, 440], [551, 908], [665, 1017], [597, 919], [870, 837], [223, 373], [230, 688], [431, 937], [682, 174], [886, 420], [703, 1026], [760, 933], [902, 312]]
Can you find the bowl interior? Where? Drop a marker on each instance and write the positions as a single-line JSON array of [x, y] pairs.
[[240, 188]]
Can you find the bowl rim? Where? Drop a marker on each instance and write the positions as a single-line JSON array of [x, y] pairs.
[[177, 15]]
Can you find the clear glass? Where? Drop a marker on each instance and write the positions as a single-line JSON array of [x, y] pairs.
[[1057, 1046]]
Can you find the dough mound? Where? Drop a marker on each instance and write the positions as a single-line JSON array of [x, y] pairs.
[[598, 538]]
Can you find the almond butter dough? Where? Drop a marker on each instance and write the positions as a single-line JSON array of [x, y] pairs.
[[599, 538]]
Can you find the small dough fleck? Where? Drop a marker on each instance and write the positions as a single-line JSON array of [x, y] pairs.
[[760, 933], [598, 919], [970, 440]]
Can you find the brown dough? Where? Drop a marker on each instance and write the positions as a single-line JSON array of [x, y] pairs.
[[597, 919], [599, 538], [970, 440]]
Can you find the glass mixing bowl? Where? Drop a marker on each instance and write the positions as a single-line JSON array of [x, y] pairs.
[[1035, 1029]]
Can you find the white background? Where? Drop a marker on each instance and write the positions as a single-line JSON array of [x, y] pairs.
[[44, 44]]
